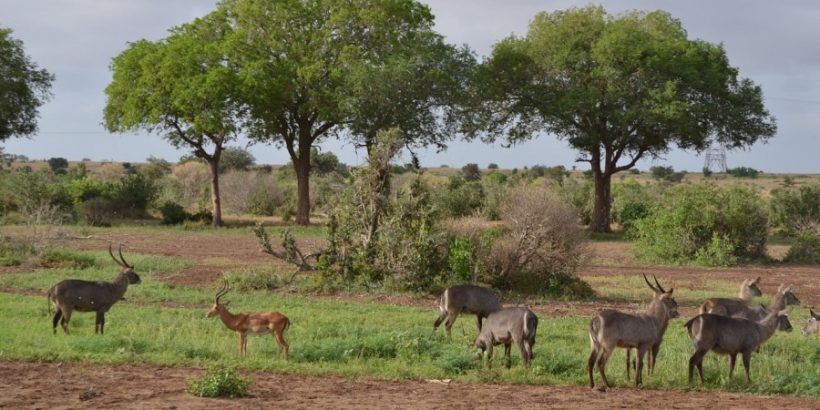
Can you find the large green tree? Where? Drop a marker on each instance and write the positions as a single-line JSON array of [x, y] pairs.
[[617, 88], [313, 69], [182, 87], [23, 88]]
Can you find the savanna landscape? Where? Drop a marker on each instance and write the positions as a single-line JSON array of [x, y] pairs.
[[358, 260]]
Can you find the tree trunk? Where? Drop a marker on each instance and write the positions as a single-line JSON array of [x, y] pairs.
[[603, 203], [216, 202], [302, 167]]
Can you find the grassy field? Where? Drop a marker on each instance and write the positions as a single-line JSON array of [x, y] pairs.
[[163, 324]]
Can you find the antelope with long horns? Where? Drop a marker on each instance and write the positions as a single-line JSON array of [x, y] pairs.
[[86, 296]]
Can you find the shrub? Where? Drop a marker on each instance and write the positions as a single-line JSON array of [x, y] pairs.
[[471, 172], [806, 248], [173, 213], [579, 194], [492, 166], [58, 165], [461, 198], [235, 159], [631, 201], [743, 172], [96, 211], [220, 381], [795, 209], [541, 246], [699, 220], [133, 195], [255, 279]]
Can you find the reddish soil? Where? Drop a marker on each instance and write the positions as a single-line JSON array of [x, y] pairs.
[[75, 386]]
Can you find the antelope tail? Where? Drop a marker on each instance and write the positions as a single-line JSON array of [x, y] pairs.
[[595, 326], [48, 300], [690, 323]]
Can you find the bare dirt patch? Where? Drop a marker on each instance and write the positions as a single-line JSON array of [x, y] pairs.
[[73, 386]]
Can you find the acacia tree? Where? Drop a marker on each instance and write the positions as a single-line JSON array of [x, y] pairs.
[[617, 89], [307, 67], [182, 87], [23, 89]]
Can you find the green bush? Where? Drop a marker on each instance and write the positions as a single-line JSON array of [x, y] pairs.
[[255, 279], [806, 249], [631, 201], [460, 259], [461, 198], [220, 381], [133, 195], [173, 213], [795, 209], [743, 172], [96, 211], [718, 252], [694, 220], [471, 172]]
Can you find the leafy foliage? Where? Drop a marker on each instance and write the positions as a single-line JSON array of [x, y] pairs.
[[471, 172], [220, 381], [617, 88], [23, 89], [794, 210], [704, 223], [743, 172]]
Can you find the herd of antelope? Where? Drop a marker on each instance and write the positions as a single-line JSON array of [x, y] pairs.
[[728, 326]]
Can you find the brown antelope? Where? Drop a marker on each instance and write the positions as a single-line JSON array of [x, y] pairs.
[[85, 296], [741, 309], [730, 336], [507, 326], [812, 324], [466, 299], [274, 323], [644, 331]]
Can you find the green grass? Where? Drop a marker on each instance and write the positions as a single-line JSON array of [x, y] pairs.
[[354, 339]]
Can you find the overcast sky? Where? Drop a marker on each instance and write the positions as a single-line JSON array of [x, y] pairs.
[[776, 44]]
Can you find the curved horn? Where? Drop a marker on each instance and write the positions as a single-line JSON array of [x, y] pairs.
[[221, 292], [659, 285], [110, 252], [123, 259], [649, 284]]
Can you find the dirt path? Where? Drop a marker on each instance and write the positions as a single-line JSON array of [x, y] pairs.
[[76, 386]]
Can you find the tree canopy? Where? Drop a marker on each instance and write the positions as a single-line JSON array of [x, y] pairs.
[[23, 88], [312, 70], [617, 88], [182, 87]]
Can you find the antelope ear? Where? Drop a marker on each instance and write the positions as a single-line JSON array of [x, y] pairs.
[[784, 312], [670, 291], [756, 281], [745, 282]]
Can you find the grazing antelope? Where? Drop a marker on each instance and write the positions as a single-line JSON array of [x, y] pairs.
[[812, 324], [274, 323], [742, 310], [85, 296], [466, 299], [509, 325], [741, 307], [730, 336], [644, 331]]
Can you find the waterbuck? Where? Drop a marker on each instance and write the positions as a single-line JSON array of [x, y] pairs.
[[466, 299], [87, 296], [742, 310], [741, 306], [730, 336], [644, 331], [507, 326], [812, 324], [273, 323]]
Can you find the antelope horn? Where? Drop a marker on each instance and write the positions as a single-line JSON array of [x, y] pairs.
[[110, 252], [659, 285], [649, 284], [221, 292], [123, 259]]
